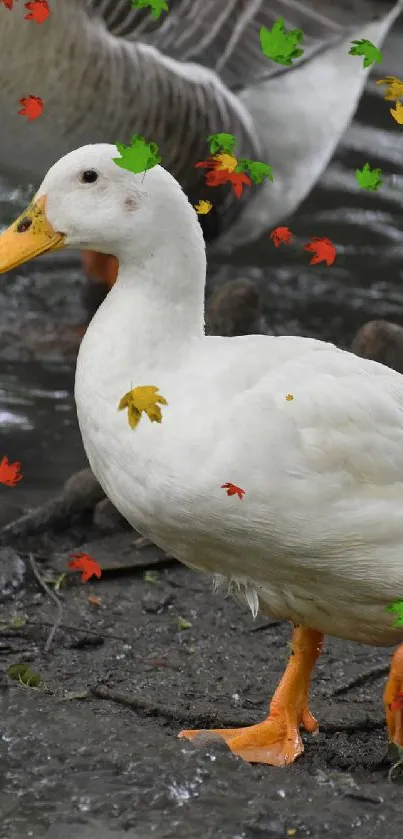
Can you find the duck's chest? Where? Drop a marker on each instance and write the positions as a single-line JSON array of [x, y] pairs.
[[149, 472]]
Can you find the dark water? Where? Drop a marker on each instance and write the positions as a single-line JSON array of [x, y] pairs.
[[39, 302]]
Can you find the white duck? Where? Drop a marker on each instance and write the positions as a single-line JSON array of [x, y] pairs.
[[317, 538]]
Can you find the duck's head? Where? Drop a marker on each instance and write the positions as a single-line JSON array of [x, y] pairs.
[[87, 201]]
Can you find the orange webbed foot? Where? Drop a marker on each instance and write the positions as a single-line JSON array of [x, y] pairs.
[[277, 740], [393, 699]]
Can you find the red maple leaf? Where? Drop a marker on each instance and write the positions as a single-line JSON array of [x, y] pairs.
[[218, 176], [281, 236], [9, 472], [233, 489], [32, 107], [38, 11], [210, 163], [8, 3], [87, 565], [323, 250], [397, 704]]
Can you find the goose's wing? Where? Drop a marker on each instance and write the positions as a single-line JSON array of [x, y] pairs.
[[222, 34]]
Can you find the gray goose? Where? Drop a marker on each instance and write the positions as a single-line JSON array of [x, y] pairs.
[[106, 70]]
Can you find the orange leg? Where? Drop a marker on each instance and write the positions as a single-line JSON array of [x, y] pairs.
[[100, 267], [393, 699], [277, 740]]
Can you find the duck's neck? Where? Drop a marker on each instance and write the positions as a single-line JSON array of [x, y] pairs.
[[149, 319]]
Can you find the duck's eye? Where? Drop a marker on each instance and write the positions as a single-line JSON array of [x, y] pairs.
[[89, 176]]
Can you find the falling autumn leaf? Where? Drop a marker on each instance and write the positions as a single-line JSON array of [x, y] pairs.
[[139, 156], [32, 107], [143, 398], [9, 472], [86, 564], [203, 207], [281, 236], [257, 170], [8, 3], [289, 397], [368, 50], [394, 89], [217, 176], [397, 113], [279, 45], [221, 143], [237, 180], [323, 250], [156, 6], [397, 608], [225, 161], [368, 178], [233, 489], [38, 11]]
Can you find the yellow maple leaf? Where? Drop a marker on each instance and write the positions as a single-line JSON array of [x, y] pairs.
[[397, 113], [394, 87], [203, 207], [226, 161], [142, 398]]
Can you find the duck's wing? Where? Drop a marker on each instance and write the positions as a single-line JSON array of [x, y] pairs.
[[222, 34]]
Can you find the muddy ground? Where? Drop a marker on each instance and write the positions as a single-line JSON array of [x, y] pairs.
[[92, 752]]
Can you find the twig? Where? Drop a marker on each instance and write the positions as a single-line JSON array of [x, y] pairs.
[[53, 597], [79, 494], [206, 718], [85, 630], [152, 709], [369, 675], [265, 626]]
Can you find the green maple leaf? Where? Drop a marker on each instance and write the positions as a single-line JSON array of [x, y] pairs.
[[256, 170], [397, 607], [369, 178], [368, 50], [139, 156], [221, 143], [279, 45], [157, 6]]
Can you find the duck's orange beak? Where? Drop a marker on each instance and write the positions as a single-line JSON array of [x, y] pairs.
[[29, 236]]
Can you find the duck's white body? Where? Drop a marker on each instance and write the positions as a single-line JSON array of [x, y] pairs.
[[318, 536], [319, 532]]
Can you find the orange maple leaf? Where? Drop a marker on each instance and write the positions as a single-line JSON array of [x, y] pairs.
[[32, 107], [8, 3], [281, 236], [87, 565], [233, 489], [323, 250], [218, 176], [9, 472], [38, 11]]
